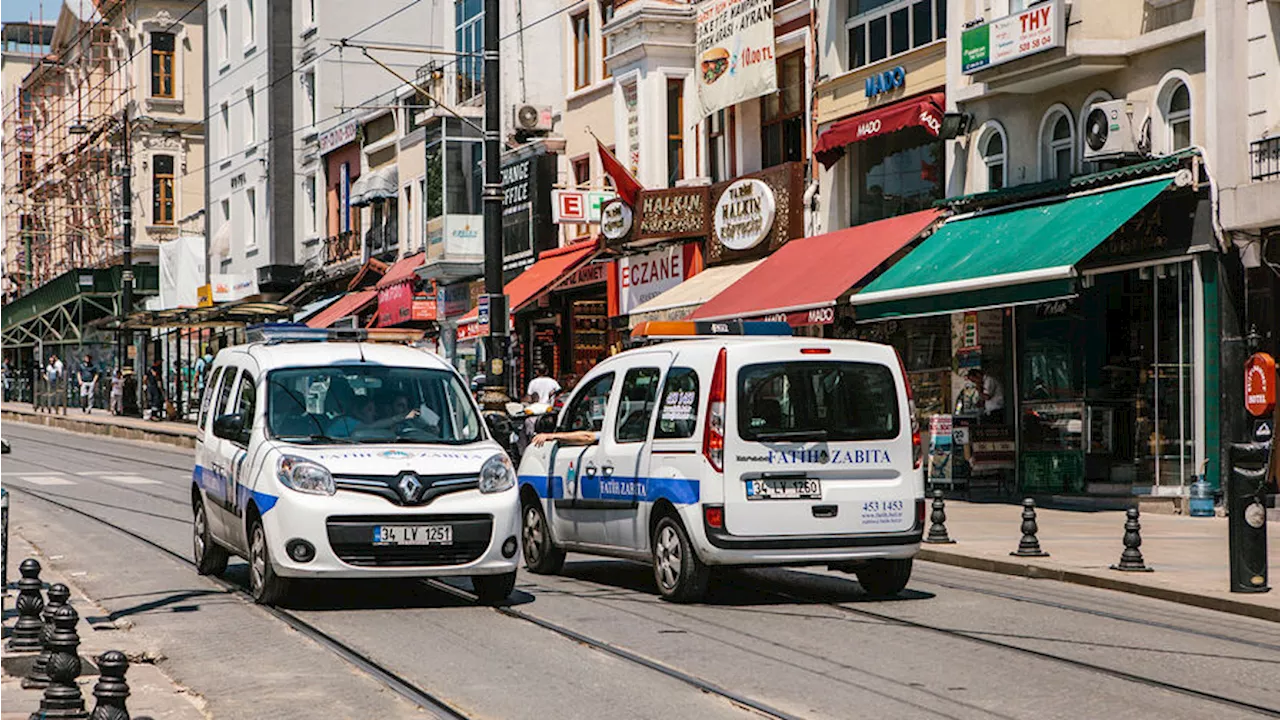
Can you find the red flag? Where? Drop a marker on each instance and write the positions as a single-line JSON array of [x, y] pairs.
[[628, 187]]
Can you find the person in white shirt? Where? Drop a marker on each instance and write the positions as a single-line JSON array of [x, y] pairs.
[[991, 394], [543, 388]]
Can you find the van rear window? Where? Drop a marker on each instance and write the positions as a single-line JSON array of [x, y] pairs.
[[815, 401]]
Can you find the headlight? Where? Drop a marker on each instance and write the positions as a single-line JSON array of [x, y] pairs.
[[304, 476], [497, 474]]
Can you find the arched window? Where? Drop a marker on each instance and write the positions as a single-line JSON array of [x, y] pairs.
[[991, 148], [1177, 117], [1057, 144]]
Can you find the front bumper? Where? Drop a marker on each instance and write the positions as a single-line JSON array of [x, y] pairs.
[[339, 527]]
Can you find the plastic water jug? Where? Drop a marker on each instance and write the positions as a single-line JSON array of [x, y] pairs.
[[1201, 498]]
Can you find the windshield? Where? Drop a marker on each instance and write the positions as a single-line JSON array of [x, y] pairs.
[[369, 404], [817, 401]]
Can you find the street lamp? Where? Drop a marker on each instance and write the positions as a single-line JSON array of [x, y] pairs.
[[495, 394]]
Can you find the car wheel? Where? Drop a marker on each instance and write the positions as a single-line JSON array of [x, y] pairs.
[[884, 578], [211, 558], [494, 589], [541, 556], [680, 575], [265, 586]]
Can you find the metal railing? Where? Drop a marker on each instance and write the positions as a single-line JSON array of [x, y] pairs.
[[1264, 158], [341, 247]]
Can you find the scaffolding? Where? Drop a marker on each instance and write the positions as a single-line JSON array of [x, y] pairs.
[[63, 140]]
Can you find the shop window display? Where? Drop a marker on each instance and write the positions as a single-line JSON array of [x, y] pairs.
[[590, 334], [897, 174]]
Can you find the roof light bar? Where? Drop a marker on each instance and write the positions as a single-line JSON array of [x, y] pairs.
[[653, 329], [275, 333]]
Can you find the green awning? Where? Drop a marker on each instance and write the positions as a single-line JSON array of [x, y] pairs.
[[996, 258]]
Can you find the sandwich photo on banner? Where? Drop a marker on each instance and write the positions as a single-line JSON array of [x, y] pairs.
[[735, 53]]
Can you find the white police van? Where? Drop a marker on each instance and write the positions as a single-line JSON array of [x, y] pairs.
[[755, 450], [321, 454]]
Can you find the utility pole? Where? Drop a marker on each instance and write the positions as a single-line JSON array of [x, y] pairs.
[[495, 395]]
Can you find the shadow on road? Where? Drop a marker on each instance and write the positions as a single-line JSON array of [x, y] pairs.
[[735, 587]]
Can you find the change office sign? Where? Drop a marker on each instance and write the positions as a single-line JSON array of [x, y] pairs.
[[1038, 28], [735, 52]]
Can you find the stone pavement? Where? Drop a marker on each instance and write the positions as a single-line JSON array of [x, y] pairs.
[[1188, 554], [151, 692], [102, 422]]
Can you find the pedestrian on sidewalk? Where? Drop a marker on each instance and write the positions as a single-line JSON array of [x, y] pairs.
[[154, 387], [87, 375], [52, 374], [117, 392]]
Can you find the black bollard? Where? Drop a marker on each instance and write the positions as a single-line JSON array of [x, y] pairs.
[[111, 688], [938, 517], [62, 699], [1131, 559], [1029, 545], [59, 594], [26, 631]]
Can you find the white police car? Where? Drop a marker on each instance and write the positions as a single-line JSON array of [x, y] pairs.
[[323, 458], [723, 451]]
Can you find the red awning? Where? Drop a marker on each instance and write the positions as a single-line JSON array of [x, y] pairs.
[[349, 304], [814, 272], [551, 266], [402, 270], [923, 110]]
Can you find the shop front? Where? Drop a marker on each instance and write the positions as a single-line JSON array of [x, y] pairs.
[[1059, 347], [405, 300]]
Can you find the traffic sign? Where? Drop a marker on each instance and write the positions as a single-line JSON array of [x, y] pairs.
[[1263, 431], [482, 310], [1260, 384]]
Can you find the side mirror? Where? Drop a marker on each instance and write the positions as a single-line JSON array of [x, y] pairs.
[[546, 423], [229, 427], [499, 426]]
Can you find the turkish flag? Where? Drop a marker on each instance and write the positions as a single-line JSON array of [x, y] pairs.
[[628, 187]]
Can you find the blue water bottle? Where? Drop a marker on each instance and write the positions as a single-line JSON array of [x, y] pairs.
[[1201, 498]]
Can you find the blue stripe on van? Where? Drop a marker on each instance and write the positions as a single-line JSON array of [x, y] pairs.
[[678, 491]]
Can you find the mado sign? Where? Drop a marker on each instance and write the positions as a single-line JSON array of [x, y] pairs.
[[885, 81], [744, 214]]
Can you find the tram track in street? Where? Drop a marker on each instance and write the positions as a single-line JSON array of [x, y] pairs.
[[379, 673]]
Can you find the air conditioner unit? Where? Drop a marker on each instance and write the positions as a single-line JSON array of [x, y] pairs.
[[532, 118], [1111, 129]]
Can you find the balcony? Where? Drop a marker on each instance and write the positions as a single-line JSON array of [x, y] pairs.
[[341, 248], [1264, 158]]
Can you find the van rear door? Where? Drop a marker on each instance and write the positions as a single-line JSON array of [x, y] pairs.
[[818, 441]]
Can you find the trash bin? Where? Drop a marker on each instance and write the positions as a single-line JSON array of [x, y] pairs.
[[1247, 516]]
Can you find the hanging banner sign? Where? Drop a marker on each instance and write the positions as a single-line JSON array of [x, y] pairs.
[[615, 220], [735, 52], [578, 206]]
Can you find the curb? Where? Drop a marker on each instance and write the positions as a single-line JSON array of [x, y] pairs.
[[88, 427], [1075, 577]]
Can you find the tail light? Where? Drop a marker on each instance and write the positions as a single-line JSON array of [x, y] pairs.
[[713, 435], [917, 450], [714, 515], [920, 512]]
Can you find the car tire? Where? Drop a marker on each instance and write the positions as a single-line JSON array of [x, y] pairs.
[[265, 586], [681, 576], [541, 555], [210, 557], [884, 578], [494, 589]]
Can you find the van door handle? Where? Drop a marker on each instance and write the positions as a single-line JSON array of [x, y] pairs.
[[589, 470], [825, 511], [607, 470]]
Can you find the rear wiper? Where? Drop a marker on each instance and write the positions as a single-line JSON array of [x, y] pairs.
[[817, 435]]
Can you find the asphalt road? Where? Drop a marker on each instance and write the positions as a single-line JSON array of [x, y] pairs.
[[597, 642]]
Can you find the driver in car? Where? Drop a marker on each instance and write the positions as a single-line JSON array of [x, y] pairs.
[[364, 416]]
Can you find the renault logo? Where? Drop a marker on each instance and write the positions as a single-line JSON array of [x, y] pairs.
[[410, 488]]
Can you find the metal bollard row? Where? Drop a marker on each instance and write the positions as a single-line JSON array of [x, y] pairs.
[[51, 629]]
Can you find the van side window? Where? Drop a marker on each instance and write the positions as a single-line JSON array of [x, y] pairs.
[[210, 391], [247, 399], [586, 412], [635, 407], [224, 393], [678, 416]]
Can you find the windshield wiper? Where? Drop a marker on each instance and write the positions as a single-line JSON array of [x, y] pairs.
[[816, 435], [317, 438]]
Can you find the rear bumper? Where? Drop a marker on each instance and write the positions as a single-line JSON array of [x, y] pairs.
[[723, 540], [719, 547]]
